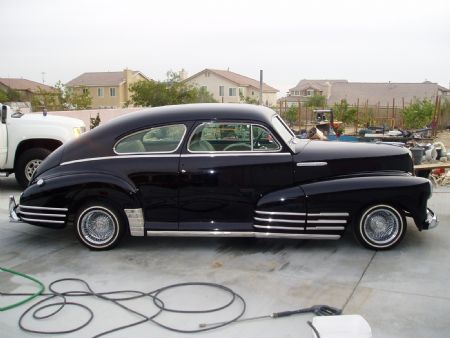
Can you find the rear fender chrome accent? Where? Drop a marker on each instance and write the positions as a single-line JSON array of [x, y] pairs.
[[42, 208], [13, 217], [177, 233], [41, 220], [135, 221], [21, 212]]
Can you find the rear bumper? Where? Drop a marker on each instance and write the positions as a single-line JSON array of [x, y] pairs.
[[42, 216], [431, 221], [13, 217]]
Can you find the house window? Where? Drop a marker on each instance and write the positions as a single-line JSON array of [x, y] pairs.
[[221, 91], [253, 93], [310, 92], [297, 93], [85, 91], [204, 88], [232, 92], [241, 92], [100, 92], [112, 91]]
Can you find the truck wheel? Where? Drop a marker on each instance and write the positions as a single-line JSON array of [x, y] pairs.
[[99, 226], [27, 164], [380, 227]]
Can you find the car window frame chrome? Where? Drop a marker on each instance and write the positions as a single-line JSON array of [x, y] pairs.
[[234, 153], [152, 152]]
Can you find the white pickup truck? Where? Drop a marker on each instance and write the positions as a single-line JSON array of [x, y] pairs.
[[26, 139]]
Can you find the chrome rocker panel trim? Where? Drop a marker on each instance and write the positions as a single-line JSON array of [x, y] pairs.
[[178, 233]]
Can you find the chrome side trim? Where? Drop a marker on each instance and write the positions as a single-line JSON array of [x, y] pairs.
[[280, 213], [279, 220], [328, 221], [330, 214], [319, 228], [312, 164], [177, 233], [268, 227], [118, 157], [39, 214], [135, 221], [13, 217], [41, 220], [42, 208]]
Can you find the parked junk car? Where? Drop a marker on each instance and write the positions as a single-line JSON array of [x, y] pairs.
[[223, 170]]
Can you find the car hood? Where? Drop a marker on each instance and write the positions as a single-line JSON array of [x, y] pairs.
[[320, 159], [40, 119]]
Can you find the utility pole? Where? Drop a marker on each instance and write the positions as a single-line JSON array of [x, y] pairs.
[[43, 77], [260, 87]]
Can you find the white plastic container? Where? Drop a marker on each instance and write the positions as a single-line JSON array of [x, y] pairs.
[[345, 326]]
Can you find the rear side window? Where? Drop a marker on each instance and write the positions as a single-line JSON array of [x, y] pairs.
[[224, 137], [164, 139]]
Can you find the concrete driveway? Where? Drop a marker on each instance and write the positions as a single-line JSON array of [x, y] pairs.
[[401, 293]]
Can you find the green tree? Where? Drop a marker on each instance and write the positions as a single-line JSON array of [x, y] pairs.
[[291, 115], [419, 114], [248, 99], [69, 98], [13, 95], [172, 91], [3, 96], [45, 99], [316, 101], [344, 113]]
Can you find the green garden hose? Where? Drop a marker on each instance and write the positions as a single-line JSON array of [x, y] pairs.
[[29, 297]]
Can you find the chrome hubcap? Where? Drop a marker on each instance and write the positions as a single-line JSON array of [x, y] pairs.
[[31, 167], [382, 226], [98, 226]]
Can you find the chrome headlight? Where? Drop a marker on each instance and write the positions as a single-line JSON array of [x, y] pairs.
[[78, 131]]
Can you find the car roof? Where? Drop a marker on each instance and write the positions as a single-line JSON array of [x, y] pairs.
[[197, 111]]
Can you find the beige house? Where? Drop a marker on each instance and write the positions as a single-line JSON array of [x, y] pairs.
[[107, 89], [230, 87], [381, 93]]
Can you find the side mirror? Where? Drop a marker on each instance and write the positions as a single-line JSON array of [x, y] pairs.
[[4, 114]]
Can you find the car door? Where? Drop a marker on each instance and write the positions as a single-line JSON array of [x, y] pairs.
[[226, 167], [152, 164]]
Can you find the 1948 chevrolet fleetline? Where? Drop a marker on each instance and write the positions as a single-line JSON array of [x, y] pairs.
[[229, 170]]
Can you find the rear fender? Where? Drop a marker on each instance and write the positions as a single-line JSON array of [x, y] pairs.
[[71, 190]]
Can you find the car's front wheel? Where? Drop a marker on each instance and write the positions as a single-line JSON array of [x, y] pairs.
[[380, 227], [99, 226]]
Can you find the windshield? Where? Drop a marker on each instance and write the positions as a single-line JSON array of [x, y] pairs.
[[283, 130]]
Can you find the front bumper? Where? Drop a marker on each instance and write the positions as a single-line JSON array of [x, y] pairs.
[[13, 217], [431, 221]]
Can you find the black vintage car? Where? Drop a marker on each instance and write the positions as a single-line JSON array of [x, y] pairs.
[[223, 170]]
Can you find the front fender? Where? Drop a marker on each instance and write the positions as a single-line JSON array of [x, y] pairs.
[[352, 194]]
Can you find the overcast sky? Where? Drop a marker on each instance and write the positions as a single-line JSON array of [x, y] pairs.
[[358, 40]]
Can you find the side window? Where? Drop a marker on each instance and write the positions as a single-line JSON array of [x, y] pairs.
[[221, 137], [263, 139], [154, 140]]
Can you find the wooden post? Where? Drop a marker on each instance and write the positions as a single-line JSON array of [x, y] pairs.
[[299, 115]]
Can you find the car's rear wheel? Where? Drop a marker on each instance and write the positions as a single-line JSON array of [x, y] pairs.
[[380, 227], [99, 226]]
